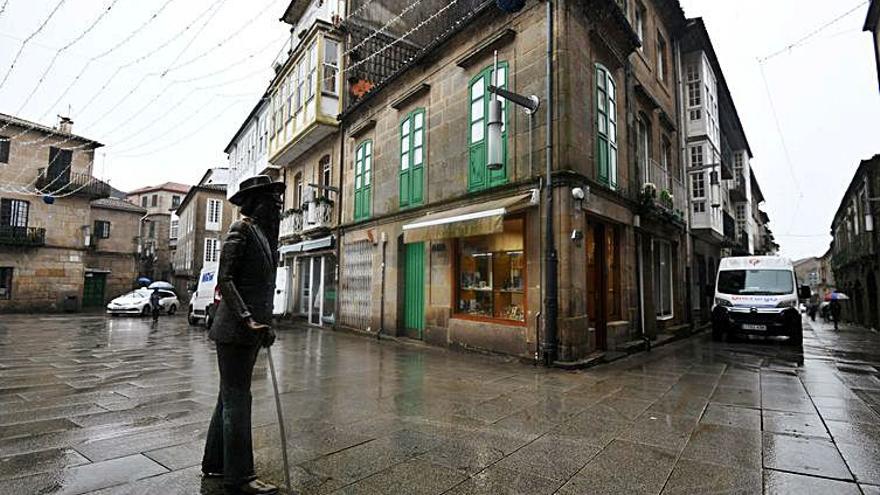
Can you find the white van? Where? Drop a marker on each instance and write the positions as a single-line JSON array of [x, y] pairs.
[[757, 295], [201, 304]]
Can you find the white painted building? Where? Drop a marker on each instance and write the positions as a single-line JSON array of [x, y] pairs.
[[247, 151]]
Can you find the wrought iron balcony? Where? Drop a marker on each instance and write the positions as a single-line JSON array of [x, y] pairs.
[[291, 224], [71, 183], [317, 216], [22, 236]]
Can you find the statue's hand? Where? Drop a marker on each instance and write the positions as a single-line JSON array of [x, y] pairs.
[[255, 326]]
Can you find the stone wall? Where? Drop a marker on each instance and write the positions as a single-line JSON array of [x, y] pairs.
[[42, 278]]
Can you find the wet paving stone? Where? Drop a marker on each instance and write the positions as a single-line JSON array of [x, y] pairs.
[[623, 467], [697, 478], [804, 455], [792, 423], [724, 445], [367, 417], [781, 483], [733, 416], [85, 478]]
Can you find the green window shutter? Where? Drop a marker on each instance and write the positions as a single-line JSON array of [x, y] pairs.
[[479, 175], [405, 160], [499, 177], [606, 127], [417, 158], [412, 158], [363, 178], [477, 132]]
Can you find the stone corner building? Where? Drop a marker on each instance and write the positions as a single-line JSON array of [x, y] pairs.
[[855, 250], [64, 243], [396, 222], [439, 246], [204, 218]]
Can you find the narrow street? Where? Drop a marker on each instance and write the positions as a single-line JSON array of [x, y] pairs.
[[90, 404]]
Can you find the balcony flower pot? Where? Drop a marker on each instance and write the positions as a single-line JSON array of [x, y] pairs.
[[648, 194]]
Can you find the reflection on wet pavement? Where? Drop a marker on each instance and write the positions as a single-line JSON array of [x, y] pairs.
[[117, 406]]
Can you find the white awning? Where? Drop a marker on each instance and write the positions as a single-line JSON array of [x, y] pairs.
[[478, 219], [307, 245]]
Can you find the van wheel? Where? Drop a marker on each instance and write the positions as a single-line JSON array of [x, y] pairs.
[[717, 334], [190, 318], [796, 338], [145, 311], [209, 317], [172, 309]]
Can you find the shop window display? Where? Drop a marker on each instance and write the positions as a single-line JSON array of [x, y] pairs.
[[491, 274]]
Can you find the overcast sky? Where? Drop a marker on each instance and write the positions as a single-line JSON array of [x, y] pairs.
[[160, 126]]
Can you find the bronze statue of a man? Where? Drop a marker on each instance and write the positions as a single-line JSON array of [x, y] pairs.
[[246, 280]]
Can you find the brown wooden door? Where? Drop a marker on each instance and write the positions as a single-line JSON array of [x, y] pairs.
[[597, 282]]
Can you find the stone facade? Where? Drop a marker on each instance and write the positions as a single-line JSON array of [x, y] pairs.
[[190, 255], [854, 250], [601, 271], [116, 255], [48, 248], [156, 243]]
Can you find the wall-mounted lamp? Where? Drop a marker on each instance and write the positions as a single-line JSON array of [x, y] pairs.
[[579, 194]]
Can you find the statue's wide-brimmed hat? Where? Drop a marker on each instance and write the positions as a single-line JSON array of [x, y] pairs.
[[258, 184]]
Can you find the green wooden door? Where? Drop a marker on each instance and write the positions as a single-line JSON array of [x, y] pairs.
[[414, 290], [93, 290]]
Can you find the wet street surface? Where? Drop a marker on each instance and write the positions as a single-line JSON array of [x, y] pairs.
[[90, 404]]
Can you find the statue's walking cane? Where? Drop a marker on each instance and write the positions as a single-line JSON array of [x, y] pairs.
[[280, 420]]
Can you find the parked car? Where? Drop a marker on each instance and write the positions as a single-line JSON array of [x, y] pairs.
[[758, 295], [204, 300], [137, 302]]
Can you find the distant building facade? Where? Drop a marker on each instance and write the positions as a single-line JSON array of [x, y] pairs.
[[63, 244], [855, 249], [204, 218], [112, 260], [159, 227], [872, 25]]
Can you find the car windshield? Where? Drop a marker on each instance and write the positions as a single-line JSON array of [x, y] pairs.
[[138, 294], [755, 282]]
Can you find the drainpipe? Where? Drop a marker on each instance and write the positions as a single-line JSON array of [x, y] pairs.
[[384, 241], [338, 231], [682, 139], [551, 303]]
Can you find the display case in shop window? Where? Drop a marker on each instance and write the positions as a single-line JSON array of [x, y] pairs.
[[492, 285]]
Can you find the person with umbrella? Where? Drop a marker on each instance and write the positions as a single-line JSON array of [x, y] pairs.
[[246, 279], [155, 303], [834, 307]]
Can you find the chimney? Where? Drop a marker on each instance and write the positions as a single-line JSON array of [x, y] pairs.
[[65, 125]]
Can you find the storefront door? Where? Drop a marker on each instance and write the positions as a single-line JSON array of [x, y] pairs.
[[596, 282], [304, 266], [414, 290], [93, 290], [317, 289]]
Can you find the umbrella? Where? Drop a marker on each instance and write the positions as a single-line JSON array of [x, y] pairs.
[[836, 296], [144, 281], [160, 285]]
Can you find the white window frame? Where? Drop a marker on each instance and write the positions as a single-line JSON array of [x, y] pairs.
[[696, 156], [213, 224], [212, 250]]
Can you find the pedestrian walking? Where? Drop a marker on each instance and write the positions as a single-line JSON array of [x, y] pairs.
[[155, 304], [835, 312], [246, 278]]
